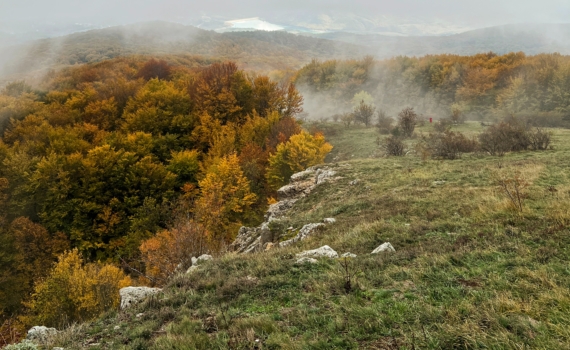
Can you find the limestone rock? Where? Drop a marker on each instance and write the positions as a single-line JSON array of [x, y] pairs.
[[192, 269], [324, 175], [253, 239], [322, 252], [306, 260], [329, 220], [348, 255], [202, 258], [133, 295], [304, 232], [40, 334], [384, 247]]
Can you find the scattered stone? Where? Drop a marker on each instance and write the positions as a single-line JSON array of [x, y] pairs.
[[329, 220], [140, 315], [133, 295], [348, 255], [354, 182], [322, 252], [306, 260], [57, 349], [438, 182], [40, 334], [384, 247], [117, 328]]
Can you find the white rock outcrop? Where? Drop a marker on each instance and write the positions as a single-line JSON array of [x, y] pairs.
[[384, 247], [329, 220], [304, 232], [322, 252], [306, 260], [254, 239], [40, 334], [348, 255], [134, 295]]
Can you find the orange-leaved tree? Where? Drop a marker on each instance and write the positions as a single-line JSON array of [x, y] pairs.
[[300, 152], [75, 292], [225, 200], [171, 250]]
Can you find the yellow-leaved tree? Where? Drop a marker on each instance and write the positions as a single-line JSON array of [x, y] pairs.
[[225, 200], [75, 292], [299, 153]]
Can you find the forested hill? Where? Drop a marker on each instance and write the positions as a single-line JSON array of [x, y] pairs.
[[530, 39], [262, 51]]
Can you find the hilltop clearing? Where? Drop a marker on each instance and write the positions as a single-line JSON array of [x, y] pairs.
[[468, 270]]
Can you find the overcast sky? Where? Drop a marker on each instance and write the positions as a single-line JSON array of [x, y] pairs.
[[473, 13]]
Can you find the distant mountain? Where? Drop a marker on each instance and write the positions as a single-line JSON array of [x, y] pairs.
[[529, 38], [252, 50], [266, 51]]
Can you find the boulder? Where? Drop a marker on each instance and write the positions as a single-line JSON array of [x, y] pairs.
[[322, 252], [329, 220], [348, 255], [134, 295], [40, 334], [306, 260], [201, 259], [384, 247]]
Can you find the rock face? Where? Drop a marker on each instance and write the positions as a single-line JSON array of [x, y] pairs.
[[322, 252], [384, 247], [40, 334], [134, 295], [252, 239]]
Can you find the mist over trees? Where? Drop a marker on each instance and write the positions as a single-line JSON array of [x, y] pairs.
[[483, 86]]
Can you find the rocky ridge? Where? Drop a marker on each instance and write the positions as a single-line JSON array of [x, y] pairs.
[[253, 239]]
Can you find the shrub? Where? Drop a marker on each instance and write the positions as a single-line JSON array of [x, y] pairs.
[[448, 145], [539, 139], [363, 113], [514, 189], [76, 292], [407, 120], [299, 153], [442, 125], [511, 135], [170, 251], [383, 122], [347, 119], [456, 114], [393, 146]]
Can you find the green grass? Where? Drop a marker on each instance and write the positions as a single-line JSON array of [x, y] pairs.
[[469, 272]]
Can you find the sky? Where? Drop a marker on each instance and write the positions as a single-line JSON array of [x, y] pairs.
[[471, 13]]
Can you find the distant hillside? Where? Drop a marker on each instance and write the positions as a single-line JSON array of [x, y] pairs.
[[252, 50], [530, 39]]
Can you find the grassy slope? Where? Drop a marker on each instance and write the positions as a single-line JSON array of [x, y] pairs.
[[468, 271]]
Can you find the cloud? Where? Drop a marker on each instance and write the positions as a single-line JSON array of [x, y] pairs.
[[473, 13]]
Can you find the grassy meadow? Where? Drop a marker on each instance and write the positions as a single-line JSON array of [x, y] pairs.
[[470, 271]]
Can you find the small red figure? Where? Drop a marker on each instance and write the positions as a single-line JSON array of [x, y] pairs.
[[430, 119]]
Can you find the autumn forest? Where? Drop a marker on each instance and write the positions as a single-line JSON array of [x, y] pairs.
[[116, 173]]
